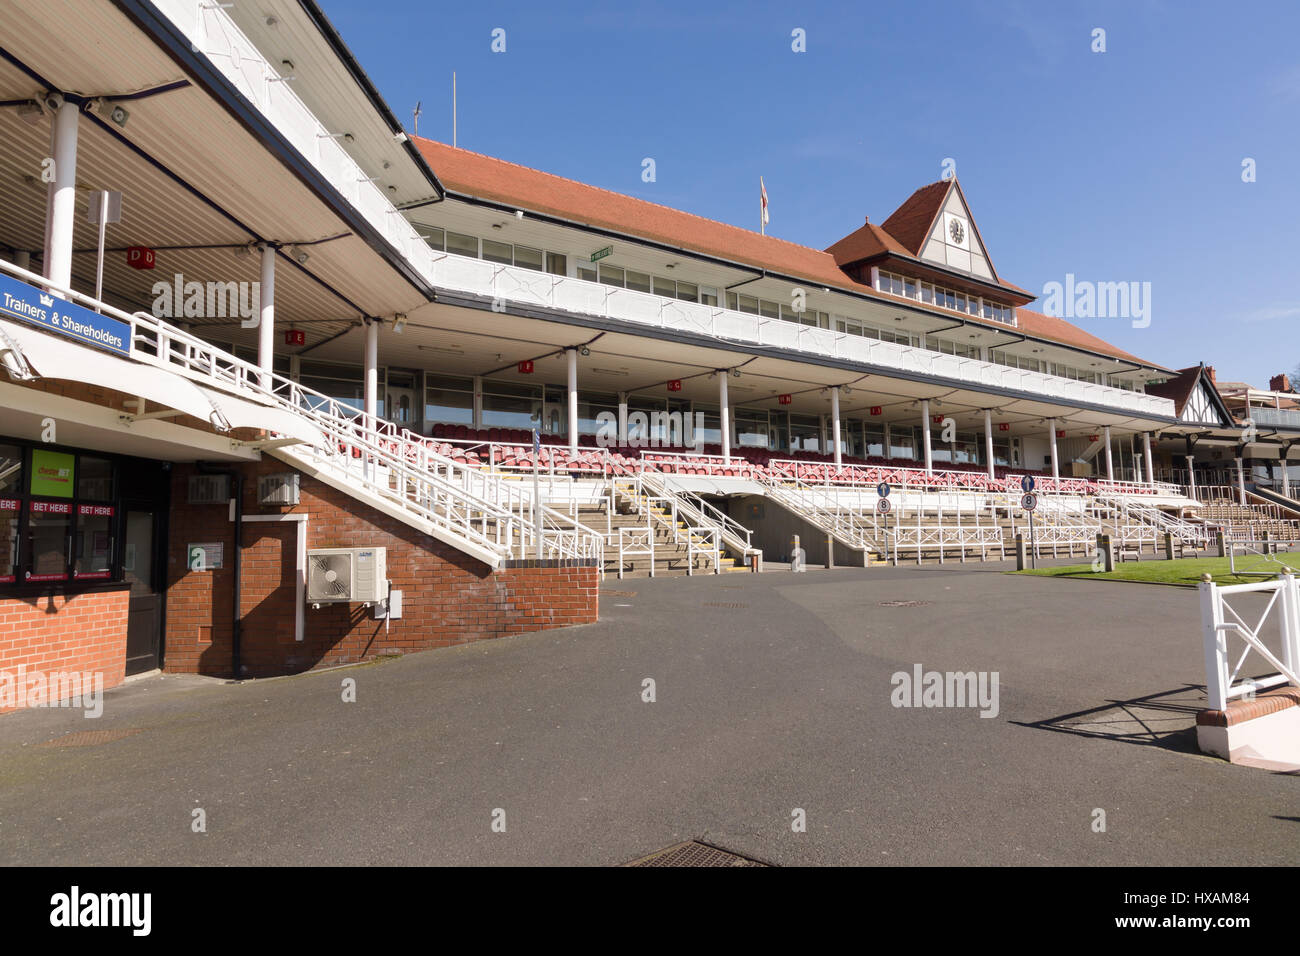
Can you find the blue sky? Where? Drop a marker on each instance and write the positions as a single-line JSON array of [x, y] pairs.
[[1117, 166]]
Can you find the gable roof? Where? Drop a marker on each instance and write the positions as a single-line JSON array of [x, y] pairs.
[[1182, 387], [910, 223], [466, 174]]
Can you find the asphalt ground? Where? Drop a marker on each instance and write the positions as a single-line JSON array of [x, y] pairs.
[[772, 695]]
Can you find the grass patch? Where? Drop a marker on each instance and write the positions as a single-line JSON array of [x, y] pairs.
[[1183, 571]]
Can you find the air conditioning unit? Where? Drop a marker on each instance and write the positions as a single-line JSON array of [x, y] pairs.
[[209, 489], [347, 575], [278, 489]]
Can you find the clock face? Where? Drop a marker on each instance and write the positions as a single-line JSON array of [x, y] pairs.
[[957, 231]]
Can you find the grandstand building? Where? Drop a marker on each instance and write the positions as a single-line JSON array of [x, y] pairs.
[[296, 425]]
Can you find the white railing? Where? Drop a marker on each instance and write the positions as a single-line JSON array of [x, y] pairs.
[[700, 512], [634, 543], [496, 519], [447, 270], [1220, 620]]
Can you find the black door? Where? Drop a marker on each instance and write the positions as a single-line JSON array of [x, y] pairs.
[[142, 570]]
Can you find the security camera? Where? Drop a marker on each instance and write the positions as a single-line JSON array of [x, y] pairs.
[[53, 102], [119, 115]]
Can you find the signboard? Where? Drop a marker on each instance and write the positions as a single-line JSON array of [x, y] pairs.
[[1029, 502], [882, 489], [785, 399], [295, 337], [1094, 438], [1060, 433], [20, 301], [1004, 426], [882, 506], [877, 410], [140, 257], [675, 385], [205, 556], [938, 419], [602, 253], [52, 473], [1027, 483], [526, 367]]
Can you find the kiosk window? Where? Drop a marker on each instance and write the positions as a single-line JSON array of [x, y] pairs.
[[94, 545], [49, 526]]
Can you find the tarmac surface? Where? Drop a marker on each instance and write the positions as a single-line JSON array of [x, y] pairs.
[[772, 693]]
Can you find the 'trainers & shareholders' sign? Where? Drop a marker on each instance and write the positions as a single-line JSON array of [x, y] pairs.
[[20, 301]]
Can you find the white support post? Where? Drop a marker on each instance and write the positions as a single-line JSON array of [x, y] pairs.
[[988, 438], [372, 373], [572, 355], [1191, 479], [1051, 435], [1215, 643], [1146, 455], [266, 324], [622, 419], [925, 435], [1286, 480], [724, 418], [61, 209], [835, 422], [1110, 457], [1241, 482], [477, 411]]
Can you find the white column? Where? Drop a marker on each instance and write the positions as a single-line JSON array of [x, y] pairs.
[[1146, 454], [1191, 478], [476, 411], [622, 418], [62, 206], [988, 438], [925, 434], [835, 422], [266, 325], [372, 372], [724, 415], [1286, 480], [1110, 457], [573, 400], [1051, 435], [1241, 482]]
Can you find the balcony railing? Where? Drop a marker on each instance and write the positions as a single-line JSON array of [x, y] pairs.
[[525, 286], [1280, 417]]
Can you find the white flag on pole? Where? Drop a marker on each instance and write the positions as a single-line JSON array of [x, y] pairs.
[[762, 192]]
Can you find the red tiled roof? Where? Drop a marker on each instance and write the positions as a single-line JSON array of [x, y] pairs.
[[910, 223], [486, 177]]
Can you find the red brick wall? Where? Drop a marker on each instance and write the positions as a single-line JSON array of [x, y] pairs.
[[448, 597], [81, 632]]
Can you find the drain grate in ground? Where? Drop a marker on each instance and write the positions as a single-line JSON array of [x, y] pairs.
[[694, 853], [726, 604], [90, 738], [904, 603], [613, 593]]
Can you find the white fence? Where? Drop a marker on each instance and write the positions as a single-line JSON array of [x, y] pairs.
[[1231, 640]]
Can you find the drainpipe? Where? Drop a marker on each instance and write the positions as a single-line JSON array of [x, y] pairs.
[[237, 516]]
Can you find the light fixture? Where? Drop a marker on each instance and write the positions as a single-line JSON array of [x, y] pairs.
[[735, 373], [448, 349], [496, 225], [399, 322], [118, 114], [584, 351]]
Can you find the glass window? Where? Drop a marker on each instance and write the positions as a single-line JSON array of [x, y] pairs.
[[749, 304], [770, 310], [708, 295], [556, 264], [448, 407], [638, 281], [586, 273], [462, 245], [902, 441], [611, 275], [501, 252], [527, 258], [688, 292], [909, 288], [49, 526], [665, 287], [10, 509], [94, 478], [433, 235], [751, 427], [505, 412], [93, 551], [11, 469]]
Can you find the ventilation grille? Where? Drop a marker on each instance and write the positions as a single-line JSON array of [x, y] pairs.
[[209, 489], [278, 489]]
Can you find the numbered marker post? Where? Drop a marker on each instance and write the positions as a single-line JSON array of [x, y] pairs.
[[1029, 502]]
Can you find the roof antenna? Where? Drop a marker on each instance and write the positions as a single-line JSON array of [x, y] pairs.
[[453, 109], [417, 116]]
